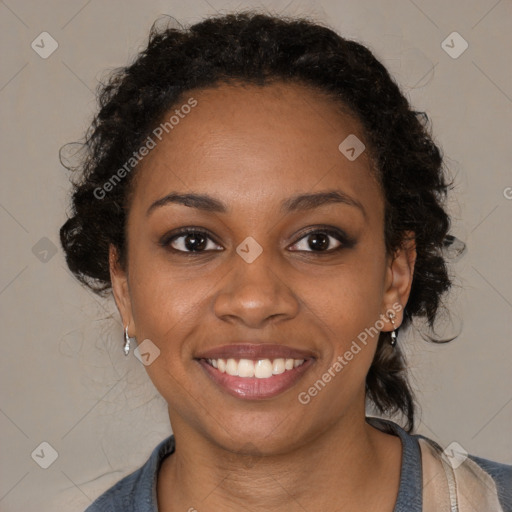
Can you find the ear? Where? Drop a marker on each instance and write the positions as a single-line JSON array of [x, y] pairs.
[[121, 291], [399, 275]]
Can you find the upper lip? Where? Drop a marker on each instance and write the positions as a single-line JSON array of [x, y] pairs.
[[245, 350]]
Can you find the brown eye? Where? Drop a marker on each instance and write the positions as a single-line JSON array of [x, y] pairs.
[[320, 240], [188, 241]]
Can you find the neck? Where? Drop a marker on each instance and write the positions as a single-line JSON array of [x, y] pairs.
[[344, 468]]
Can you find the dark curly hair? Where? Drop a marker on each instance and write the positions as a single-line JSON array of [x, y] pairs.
[[256, 48]]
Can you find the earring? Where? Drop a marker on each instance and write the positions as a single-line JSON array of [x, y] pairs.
[[126, 347], [391, 316]]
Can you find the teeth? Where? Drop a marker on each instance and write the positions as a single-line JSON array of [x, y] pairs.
[[278, 366], [231, 367], [221, 365], [261, 369], [246, 368]]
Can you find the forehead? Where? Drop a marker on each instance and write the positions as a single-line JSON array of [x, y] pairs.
[[254, 146]]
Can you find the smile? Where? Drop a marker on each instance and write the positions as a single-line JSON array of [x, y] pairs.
[[255, 371], [261, 368]]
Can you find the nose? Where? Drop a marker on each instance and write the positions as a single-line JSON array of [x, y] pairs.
[[256, 293]]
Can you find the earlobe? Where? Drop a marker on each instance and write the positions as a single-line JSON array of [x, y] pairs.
[[400, 276], [120, 289]]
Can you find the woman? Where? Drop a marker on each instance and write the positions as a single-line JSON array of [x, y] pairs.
[[268, 211]]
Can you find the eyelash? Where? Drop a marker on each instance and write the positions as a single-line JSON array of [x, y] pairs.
[[345, 241]]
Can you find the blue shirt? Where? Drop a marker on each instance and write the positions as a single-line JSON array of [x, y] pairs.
[[137, 491]]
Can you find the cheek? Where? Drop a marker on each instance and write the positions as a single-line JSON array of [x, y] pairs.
[[168, 299], [351, 298], [164, 309], [350, 306], [169, 307]]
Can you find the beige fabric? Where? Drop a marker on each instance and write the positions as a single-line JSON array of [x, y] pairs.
[[455, 488]]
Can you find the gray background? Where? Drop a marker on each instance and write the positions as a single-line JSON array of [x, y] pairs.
[[64, 379]]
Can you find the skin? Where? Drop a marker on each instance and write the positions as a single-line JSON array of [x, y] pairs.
[[252, 148]]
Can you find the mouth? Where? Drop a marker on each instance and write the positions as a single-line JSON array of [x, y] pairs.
[[261, 368], [255, 372]]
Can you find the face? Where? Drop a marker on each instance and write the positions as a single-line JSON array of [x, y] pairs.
[[271, 270]]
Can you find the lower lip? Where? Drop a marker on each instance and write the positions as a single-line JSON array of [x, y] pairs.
[[252, 388]]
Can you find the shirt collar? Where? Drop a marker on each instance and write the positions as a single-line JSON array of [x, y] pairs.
[[409, 497], [410, 492]]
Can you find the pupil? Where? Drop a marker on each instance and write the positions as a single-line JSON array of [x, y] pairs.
[[191, 242], [318, 241], [316, 244]]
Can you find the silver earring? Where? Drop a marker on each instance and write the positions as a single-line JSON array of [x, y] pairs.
[[126, 347], [391, 316]]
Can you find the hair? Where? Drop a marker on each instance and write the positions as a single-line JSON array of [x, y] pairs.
[[255, 48]]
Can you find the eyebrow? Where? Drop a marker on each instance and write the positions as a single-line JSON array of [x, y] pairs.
[[300, 202]]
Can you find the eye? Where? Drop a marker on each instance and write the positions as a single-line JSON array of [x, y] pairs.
[[194, 241], [320, 240]]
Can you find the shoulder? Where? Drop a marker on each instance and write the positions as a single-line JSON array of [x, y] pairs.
[[443, 478], [136, 491], [502, 477], [473, 482]]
